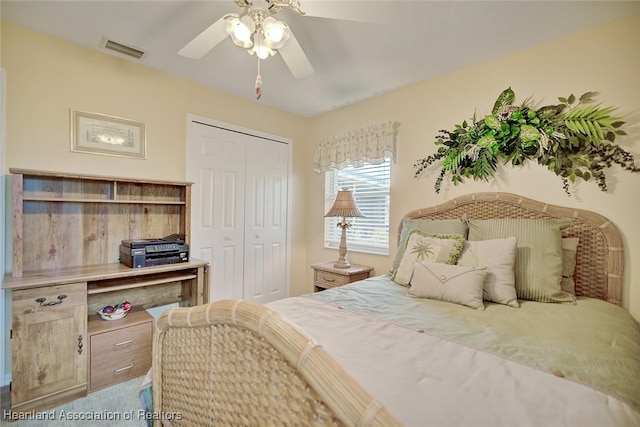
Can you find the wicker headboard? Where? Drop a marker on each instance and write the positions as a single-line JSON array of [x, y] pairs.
[[599, 269]]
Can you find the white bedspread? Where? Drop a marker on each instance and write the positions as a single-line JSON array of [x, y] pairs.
[[425, 380]]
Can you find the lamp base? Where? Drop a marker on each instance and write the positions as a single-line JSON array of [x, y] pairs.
[[342, 263], [342, 259]]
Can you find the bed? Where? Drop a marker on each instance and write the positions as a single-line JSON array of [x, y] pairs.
[[446, 348]]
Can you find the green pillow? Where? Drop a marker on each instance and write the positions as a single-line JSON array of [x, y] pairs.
[[569, 252], [422, 246], [538, 267], [440, 226]]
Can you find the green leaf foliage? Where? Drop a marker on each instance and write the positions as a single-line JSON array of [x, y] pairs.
[[493, 122], [506, 98], [529, 133], [574, 139]]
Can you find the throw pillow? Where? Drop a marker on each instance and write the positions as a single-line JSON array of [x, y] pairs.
[[452, 283], [538, 265], [569, 252], [499, 257], [421, 246], [440, 226]]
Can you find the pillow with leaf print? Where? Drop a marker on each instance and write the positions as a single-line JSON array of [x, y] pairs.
[[422, 246], [439, 226]]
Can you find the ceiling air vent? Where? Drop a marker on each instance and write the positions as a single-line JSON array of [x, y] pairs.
[[123, 49]]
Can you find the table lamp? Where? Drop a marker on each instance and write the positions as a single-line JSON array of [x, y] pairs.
[[344, 206]]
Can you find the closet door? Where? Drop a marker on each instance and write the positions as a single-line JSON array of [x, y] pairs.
[[265, 254], [239, 211], [216, 166]]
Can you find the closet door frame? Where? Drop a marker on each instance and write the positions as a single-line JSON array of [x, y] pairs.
[[192, 118]]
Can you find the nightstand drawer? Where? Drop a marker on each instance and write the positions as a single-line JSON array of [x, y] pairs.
[[108, 345], [327, 275], [326, 279]]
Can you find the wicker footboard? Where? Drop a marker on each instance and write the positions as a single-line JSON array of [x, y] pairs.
[[237, 363]]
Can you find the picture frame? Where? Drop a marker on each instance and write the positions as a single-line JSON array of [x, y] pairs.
[[96, 133]]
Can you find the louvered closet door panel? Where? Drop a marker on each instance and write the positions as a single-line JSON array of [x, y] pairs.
[[266, 220], [216, 165]]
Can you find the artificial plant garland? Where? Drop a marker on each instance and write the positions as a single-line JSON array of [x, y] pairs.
[[572, 139]]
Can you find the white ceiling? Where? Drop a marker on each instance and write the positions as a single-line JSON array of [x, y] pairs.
[[352, 60]]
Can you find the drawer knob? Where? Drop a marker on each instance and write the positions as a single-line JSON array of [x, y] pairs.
[[42, 300], [329, 279], [123, 369], [123, 343]]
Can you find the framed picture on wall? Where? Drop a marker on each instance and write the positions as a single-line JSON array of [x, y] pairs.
[[107, 135]]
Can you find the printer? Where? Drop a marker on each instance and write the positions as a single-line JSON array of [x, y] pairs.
[[148, 252]]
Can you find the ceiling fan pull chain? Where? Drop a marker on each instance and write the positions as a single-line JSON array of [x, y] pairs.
[[258, 82]]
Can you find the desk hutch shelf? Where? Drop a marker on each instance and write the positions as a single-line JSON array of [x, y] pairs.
[[64, 220], [67, 230]]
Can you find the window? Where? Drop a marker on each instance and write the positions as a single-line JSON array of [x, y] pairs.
[[370, 186]]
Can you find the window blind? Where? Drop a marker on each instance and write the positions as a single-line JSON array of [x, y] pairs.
[[370, 186]]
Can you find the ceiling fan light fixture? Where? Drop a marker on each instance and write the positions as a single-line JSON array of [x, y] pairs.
[[276, 32], [260, 48], [263, 52], [256, 30], [240, 30]]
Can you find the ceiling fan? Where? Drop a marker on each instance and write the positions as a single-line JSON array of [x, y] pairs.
[[257, 30]]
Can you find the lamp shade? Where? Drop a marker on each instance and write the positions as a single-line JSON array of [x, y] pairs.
[[345, 205]]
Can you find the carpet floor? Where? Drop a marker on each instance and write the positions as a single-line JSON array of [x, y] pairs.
[[113, 406]]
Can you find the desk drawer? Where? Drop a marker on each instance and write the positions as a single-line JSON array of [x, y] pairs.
[[325, 279], [108, 345], [116, 369], [48, 298]]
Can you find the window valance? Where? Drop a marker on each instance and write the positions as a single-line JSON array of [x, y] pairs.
[[354, 148]]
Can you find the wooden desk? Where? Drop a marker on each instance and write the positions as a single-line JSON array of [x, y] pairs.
[[50, 310]]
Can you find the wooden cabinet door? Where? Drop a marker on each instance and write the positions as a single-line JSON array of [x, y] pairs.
[[49, 348]]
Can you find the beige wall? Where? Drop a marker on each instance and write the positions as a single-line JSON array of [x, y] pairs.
[[606, 59], [46, 77]]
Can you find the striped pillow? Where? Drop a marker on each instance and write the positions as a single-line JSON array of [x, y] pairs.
[[538, 267], [569, 252]]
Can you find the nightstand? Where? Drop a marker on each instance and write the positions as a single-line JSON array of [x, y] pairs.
[[327, 276]]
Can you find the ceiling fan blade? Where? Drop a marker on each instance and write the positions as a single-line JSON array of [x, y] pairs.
[[294, 57], [206, 40], [361, 11]]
